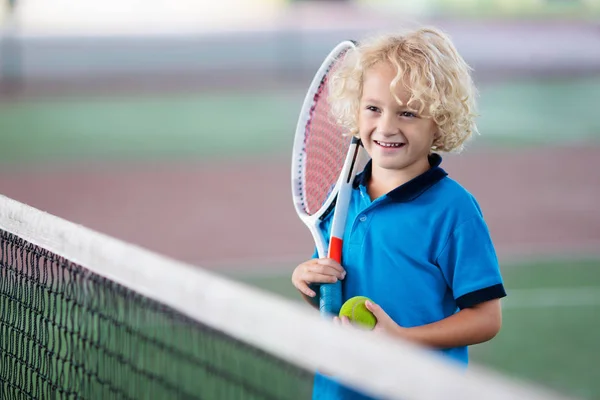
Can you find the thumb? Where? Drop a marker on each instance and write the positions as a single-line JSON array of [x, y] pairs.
[[376, 310]]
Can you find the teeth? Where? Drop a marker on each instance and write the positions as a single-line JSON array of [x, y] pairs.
[[389, 144]]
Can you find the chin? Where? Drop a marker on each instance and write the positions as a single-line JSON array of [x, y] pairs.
[[393, 166]]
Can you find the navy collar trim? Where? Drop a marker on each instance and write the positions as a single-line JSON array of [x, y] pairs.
[[413, 188]]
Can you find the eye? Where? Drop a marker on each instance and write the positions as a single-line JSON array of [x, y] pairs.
[[408, 114], [372, 108]]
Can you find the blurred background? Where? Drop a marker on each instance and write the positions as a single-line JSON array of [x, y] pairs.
[[169, 124]]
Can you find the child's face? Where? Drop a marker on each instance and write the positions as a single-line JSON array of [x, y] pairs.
[[395, 137]]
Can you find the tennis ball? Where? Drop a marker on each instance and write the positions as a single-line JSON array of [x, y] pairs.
[[357, 312]]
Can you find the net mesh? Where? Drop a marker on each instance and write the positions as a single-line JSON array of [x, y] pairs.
[[65, 330], [86, 316], [326, 145]]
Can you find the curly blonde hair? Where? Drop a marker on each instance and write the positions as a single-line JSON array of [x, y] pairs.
[[429, 65]]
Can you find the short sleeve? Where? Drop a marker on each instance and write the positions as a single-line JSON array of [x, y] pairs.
[[470, 265]]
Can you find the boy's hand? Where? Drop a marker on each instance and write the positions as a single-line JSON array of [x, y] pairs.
[[316, 270], [384, 322]]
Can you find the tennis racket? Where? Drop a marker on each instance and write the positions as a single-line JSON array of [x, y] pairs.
[[325, 161]]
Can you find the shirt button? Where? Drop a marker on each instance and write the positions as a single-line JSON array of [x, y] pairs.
[[362, 218]]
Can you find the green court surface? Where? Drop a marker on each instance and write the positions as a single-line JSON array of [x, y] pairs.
[[261, 124], [550, 324]]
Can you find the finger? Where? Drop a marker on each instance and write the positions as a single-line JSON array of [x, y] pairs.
[[326, 270], [330, 262], [303, 288], [346, 321], [316, 277], [376, 310]]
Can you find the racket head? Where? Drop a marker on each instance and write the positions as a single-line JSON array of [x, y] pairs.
[[320, 149]]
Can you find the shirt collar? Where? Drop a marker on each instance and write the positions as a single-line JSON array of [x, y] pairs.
[[413, 188]]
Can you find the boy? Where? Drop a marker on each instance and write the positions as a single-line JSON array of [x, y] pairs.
[[415, 240]]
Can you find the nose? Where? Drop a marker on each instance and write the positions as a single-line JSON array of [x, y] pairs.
[[387, 125]]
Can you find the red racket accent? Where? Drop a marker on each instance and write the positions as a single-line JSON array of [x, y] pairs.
[[335, 248]]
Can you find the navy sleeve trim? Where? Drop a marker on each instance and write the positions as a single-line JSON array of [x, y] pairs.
[[482, 295]]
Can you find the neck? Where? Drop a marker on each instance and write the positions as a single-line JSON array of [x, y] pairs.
[[384, 180]]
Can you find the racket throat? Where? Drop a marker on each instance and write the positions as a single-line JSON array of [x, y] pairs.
[[351, 173]]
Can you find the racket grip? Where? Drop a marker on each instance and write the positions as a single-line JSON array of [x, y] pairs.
[[330, 301]]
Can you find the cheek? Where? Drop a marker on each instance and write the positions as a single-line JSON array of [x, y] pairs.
[[426, 132], [363, 125], [432, 128], [360, 119], [366, 118]]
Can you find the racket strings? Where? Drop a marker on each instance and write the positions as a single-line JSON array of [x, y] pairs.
[[326, 147]]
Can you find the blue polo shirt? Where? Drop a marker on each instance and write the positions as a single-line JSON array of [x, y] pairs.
[[422, 252]]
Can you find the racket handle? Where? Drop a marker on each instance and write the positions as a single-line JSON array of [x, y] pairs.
[[330, 301]]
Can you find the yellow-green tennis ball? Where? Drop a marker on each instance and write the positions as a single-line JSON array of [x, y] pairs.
[[357, 312]]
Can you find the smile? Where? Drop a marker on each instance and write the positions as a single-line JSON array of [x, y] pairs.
[[387, 144]]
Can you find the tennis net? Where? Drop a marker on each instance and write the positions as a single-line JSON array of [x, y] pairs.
[[83, 315]]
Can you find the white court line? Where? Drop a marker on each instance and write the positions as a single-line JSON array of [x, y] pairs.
[[552, 297], [509, 256], [514, 254]]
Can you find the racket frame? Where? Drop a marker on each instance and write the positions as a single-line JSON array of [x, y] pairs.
[[299, 155], [330, 300]]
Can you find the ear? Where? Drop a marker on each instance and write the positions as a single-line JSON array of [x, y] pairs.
[[435, 142]]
